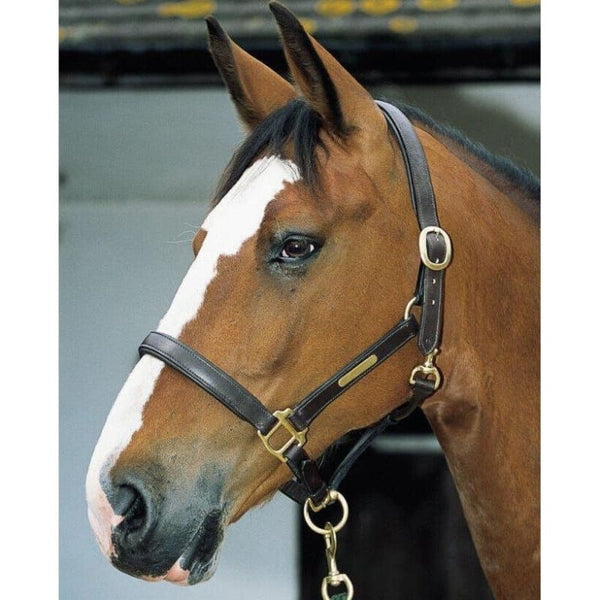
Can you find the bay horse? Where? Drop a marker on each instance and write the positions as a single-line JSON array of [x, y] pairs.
[[309, 255]]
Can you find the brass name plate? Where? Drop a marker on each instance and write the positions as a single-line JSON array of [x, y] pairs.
[[358, 370]]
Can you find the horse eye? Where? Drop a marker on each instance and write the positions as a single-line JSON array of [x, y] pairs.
[[297, 249]]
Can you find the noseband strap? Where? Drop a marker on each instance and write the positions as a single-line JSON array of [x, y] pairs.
[[435, 251], [210, 378]]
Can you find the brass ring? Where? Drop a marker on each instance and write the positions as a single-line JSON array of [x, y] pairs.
[[409, 307], [334, 496]]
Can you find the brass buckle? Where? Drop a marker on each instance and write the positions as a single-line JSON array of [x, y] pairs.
[[299, 437], [434, 266], [426, 369]]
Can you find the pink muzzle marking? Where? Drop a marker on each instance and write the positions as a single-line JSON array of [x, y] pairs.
[[103, 519]]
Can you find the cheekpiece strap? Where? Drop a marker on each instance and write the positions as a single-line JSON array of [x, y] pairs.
[[435, 247]]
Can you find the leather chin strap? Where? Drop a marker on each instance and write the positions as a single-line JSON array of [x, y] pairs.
[[435, 250]]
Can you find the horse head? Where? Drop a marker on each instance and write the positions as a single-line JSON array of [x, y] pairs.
[[306, 257]]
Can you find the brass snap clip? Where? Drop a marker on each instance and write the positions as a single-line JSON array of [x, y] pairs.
[[333, 578], [427, 369]]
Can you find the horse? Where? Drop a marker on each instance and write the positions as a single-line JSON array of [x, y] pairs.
[[307, 257]]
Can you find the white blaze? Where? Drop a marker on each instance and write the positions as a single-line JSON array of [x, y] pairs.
[[234, 220]]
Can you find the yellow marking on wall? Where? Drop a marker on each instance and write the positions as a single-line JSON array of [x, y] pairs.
[[188, 9], [310, 25], [403, 24], [379, 7], [433, 5], [335, 8], [525, 3], [62, 34], [130, 1]]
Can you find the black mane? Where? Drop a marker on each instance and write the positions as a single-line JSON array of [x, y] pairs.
[[295, 129]]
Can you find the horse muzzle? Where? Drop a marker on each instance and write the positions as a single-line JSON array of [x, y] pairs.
[[156, 534]]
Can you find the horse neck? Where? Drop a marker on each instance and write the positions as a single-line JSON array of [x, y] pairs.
[[486, 416]]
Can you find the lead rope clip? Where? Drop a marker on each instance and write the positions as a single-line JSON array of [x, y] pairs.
[[333, 578]]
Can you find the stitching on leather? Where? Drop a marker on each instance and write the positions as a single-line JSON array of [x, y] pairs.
[[231, 382], [395, 331], [184, 370], [307, 419]]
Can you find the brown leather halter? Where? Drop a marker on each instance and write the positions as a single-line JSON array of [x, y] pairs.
[[436, 252]]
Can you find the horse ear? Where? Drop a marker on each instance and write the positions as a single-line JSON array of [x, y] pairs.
[[340, 100], [255, 89]]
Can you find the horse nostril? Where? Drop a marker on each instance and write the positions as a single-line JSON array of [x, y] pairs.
[[122, 499], [133, 503], [136, 516], [130, 504]]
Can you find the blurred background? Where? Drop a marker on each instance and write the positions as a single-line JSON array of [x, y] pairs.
[[145, 130]]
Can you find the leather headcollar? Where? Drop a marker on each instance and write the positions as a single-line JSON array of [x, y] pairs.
[[436, 252]]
